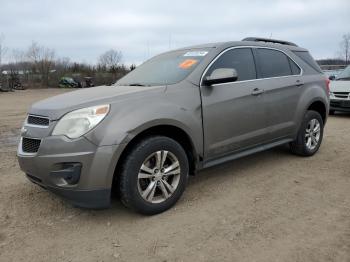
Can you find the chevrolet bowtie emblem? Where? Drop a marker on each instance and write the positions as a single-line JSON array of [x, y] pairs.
[[24, 131]]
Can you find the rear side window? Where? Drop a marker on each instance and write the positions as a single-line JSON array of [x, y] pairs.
[[273, 63], [295, 69], [240, 59], [307, 58]]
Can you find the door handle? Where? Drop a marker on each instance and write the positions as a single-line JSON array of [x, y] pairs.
[[257, 91], [299, 83]]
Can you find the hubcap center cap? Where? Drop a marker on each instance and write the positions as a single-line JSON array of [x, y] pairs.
[[158, 176]]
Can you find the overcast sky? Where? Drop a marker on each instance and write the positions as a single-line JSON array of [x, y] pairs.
[[82, 30]]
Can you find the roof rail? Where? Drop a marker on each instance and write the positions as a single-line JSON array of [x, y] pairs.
[[267, 40]]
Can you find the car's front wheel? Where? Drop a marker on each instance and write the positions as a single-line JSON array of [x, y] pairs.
[[310, 135], [154, 175]]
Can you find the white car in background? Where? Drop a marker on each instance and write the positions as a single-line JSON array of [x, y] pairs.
[[340, 92], [332, 74]]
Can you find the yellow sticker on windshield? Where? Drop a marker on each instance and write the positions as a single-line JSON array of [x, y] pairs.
[[188, 63]]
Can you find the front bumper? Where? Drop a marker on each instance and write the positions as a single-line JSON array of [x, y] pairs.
[[76, 170], [95, 199], [342, 105]]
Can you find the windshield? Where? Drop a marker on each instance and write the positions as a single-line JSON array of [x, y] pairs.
[[345, 74], [332, 72], [165, 69]]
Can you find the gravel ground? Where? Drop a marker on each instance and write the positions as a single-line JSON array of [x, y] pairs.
[[271, 206]]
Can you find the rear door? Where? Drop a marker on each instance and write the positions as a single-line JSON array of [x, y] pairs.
[[280, 77], [234, 114]]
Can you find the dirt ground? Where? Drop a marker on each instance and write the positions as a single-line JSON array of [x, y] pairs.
[[272, 206]]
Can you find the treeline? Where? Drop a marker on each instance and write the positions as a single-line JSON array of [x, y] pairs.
[[331, 61], [38, 67]]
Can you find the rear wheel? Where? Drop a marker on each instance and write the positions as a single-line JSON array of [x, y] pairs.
[[154, 175], [310, 135]]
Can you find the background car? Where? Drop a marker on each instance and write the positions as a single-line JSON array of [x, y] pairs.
[[332, 74], [340, 92], [69, 82]]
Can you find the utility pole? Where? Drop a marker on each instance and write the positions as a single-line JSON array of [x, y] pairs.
[[169, 41], [148, 50], [1, 39], [2, 49]]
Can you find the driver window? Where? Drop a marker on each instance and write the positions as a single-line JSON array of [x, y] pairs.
[[240, 59]]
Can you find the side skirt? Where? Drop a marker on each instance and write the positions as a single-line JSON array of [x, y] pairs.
[[244, 153]]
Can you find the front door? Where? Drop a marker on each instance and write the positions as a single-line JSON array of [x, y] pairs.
[[234, 114]]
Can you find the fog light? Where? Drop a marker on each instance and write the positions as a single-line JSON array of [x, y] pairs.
[[66, 173]]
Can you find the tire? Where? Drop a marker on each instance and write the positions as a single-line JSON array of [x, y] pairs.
[[144, 171], [302, 145], [331, 112]]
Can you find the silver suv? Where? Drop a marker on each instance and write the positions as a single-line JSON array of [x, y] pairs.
[[177, 113]]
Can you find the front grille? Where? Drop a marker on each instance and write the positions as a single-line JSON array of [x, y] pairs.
[[340, 103], [336, 103], [38, 120], [30, 145], [341, 94]]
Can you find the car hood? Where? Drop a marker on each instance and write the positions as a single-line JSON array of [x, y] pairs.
[[340, 86], [55, 107]]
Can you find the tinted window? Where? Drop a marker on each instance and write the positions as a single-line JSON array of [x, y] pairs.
[[273, 63], [295, 69], [307, 58], [240, 59]]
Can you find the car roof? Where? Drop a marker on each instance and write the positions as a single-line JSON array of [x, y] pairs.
[[224, 45]]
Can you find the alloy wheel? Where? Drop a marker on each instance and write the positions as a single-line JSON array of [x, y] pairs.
[[159, 176], [312, 134]]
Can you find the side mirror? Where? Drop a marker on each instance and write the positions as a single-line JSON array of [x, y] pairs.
[[220, 76], [332, 77]]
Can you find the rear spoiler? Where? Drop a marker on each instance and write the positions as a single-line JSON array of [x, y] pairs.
[[267, 40]]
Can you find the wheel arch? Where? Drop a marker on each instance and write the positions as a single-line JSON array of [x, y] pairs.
[[319, 107], [171, 131]]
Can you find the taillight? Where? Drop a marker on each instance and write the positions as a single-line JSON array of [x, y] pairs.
[[327, 86]]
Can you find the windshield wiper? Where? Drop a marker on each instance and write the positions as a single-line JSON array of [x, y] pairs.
[[132, 84], [344, 78], [136, 84]]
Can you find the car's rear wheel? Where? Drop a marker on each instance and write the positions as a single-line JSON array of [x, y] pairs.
[[154, 175], [310, 135]]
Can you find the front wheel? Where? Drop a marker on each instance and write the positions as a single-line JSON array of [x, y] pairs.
[[154, 175], [310, 135]]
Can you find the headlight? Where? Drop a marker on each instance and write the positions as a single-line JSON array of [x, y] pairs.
[[81, 121]]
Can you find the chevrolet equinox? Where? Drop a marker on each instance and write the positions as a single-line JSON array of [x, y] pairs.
[[177, 113]]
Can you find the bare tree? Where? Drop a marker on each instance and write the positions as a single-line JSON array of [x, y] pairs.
[[3, 49], [132, 67], [345, 48], [18, 56], [16, 60], [63, 64], [111, 60], [42, 59]]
